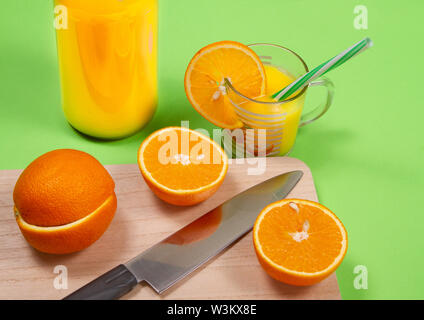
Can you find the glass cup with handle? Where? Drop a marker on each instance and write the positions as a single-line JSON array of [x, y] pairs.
[[270, 127]]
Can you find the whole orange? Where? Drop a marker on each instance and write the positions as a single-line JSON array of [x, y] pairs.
[[64, 201]]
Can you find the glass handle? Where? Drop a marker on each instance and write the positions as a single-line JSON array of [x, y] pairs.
[[319, 111]]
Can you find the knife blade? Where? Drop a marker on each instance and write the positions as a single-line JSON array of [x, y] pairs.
[[181, 253]]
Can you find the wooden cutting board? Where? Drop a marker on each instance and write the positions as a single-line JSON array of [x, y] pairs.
[[140, 221]]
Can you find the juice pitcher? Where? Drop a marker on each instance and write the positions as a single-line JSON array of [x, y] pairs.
[[107, 55]]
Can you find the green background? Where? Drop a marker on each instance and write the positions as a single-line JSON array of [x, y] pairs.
[[366, 154]]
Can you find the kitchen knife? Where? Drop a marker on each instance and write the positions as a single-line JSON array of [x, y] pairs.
[[172, 259]]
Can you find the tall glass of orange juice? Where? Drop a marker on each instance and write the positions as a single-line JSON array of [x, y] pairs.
[[279, 119], [107, 56]]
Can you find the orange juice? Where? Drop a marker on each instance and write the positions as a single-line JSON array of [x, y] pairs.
[[281, 137], [108, 65]]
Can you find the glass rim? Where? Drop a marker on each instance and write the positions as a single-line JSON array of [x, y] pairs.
[[228, 83]]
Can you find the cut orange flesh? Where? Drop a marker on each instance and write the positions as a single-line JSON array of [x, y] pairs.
[[299, 242], [204, 80], [182, 166]]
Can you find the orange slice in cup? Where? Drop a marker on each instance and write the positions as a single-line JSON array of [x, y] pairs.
[[204, 80], [182, 166], [299, 242]]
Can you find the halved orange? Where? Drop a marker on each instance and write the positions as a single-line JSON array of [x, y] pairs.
[[182, 166], [204, 80], [299, 242]]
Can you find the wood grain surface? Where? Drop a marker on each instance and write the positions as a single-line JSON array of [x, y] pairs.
[[140, 221]]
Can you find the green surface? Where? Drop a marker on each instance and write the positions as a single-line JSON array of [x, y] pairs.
[[366, 154]]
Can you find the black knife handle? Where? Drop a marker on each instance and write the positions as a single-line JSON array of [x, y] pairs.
[[112, 285]]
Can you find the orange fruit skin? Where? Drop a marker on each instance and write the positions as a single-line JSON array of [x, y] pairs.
[[69, 240], [179, 198], [288, 277], [182, 200], [64, 201], [60, 187]]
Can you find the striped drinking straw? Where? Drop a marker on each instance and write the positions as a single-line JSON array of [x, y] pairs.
[[322, 69]]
